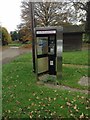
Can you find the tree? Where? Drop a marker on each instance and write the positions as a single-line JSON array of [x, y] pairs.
[[14, 35], [6, 38], [49, 14], [88, 17], [78, 9], [88, 21], [24, 34], [55, 13], [46, 14]]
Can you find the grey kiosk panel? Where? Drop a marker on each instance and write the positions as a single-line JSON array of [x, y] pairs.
[[48, 51]]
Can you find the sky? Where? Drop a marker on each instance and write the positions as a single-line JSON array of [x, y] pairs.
[[10, 14]]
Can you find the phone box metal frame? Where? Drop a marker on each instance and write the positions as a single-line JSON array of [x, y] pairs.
[[47, 51]]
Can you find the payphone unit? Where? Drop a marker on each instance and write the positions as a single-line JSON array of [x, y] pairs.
[[48, 51]]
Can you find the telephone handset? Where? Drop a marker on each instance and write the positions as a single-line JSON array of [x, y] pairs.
[[51, 48]]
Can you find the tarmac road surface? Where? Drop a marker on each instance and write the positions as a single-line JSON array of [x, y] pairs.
[[11, 53]]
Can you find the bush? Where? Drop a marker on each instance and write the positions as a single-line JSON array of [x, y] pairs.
[[6, 38], [86, 38]]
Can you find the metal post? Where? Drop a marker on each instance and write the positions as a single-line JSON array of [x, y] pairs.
[[33, 40]]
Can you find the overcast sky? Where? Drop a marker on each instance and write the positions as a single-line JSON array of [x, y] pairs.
[[10, 12]]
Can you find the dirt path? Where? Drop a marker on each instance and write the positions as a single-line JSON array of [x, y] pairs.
[[76, 66], [11, 53], [52, 86], [67, 88]]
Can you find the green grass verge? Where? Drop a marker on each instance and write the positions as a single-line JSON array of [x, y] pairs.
[[72, 75], [18, 44], [15, 44], [76, 57], [23, 98]]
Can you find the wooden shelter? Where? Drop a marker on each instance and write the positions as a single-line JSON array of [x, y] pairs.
[[72, 37]]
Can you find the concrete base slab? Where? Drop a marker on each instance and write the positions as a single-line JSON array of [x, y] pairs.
[[84, 81]]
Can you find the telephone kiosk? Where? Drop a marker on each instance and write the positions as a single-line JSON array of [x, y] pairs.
[[47, 52]]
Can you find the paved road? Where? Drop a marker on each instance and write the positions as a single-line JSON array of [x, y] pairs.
[[11, 53]]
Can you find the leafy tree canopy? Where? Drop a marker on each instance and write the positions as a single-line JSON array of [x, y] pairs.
[[6, 38], [14, 35], [24, 34]]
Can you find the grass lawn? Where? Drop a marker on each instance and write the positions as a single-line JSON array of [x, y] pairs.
[[19, 44], [23, 98], [77, 57], [14, 44], [72, 75]]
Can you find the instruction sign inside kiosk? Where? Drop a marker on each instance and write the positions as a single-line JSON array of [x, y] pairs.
[[42, 45]]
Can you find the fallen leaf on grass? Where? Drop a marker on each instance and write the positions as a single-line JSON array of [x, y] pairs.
[[61, 107], [57, 94], [66, 98], [87, 101], [9, 111], [54, 99], [15, 86], [68, 103], [77, 110], [55, 91], [34, 94], [28, 107], [43, 105], [49, 99], [87, 107], [81, 116], [32, 104], [41, 93], [82, 97], [78, 96], [37, 98], [71, 115], [75, 107], [17, 102], [42, 108], [30, 116], [39, 116], [48, 104], [29, 99]]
